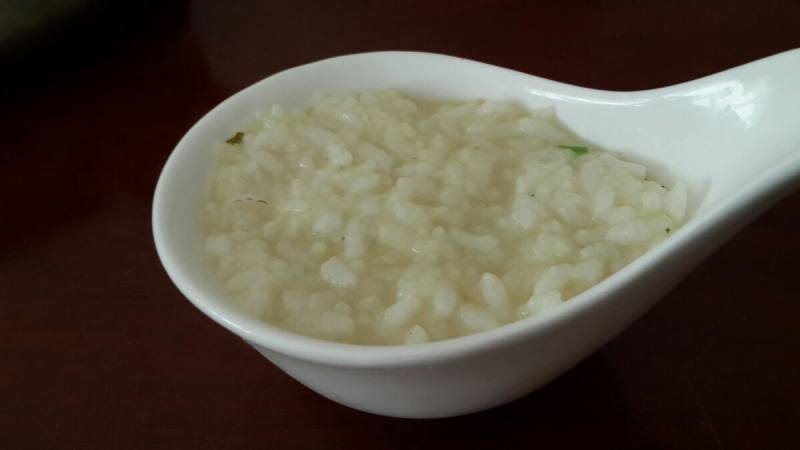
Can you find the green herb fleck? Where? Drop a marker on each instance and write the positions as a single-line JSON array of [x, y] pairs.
[[533, 195], [236, 138], [667, 230], [576, 149]]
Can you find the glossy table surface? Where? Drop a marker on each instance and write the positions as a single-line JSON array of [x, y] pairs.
[[99, 350]]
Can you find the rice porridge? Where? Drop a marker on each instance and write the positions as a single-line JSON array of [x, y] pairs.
[[374, 218]]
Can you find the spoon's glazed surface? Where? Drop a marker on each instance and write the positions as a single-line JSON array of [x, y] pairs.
[[733, 137]]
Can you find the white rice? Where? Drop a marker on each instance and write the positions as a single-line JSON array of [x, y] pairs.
[[377, 219]]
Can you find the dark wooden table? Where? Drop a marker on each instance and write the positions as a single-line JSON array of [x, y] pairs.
[[99, 350]]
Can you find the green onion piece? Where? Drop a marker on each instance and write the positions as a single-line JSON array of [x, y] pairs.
[[576, 149], [236, 138]]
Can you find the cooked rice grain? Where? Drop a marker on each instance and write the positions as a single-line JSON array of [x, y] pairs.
[[373, 218]]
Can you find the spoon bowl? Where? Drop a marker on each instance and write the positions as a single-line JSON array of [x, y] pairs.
[[733, 137]]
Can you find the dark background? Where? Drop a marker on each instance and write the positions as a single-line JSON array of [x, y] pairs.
[[99, 350]]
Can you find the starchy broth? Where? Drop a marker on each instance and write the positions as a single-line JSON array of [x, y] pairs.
[[376, 218]]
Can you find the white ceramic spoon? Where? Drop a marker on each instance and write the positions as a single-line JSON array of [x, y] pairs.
[[734, 137]]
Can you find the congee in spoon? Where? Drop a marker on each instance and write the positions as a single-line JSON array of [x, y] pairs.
[[375, 218]]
